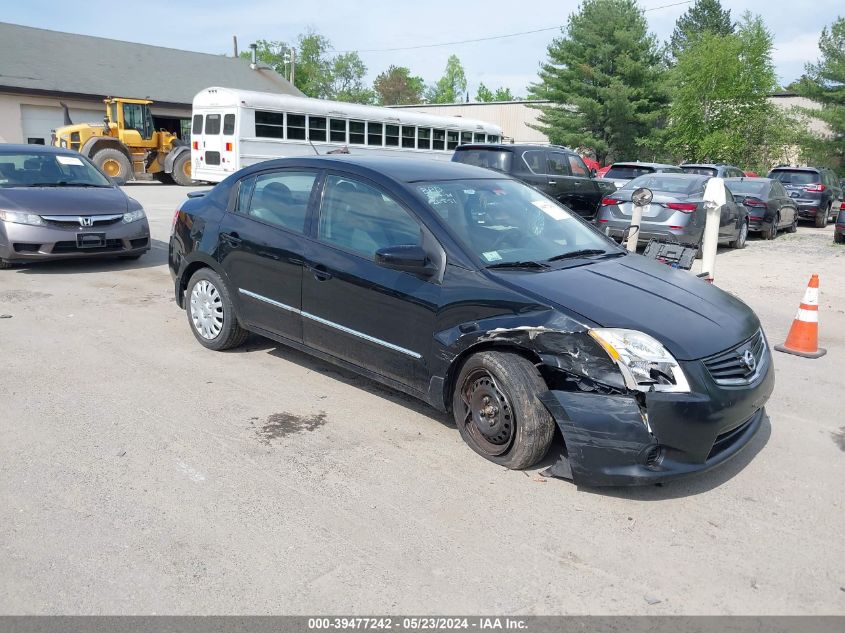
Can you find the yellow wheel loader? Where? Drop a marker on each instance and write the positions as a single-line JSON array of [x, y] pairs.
[[127, 145]]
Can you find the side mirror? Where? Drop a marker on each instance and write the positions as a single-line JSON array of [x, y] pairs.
[[406, 257]]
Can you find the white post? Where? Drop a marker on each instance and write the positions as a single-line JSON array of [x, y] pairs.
[[714, 200], [640, 199]]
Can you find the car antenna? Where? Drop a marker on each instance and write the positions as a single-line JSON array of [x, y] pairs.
[[312, 147]]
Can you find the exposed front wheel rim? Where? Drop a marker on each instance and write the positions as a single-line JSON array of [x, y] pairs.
[[743, 234], [488, 415], [206, 308]]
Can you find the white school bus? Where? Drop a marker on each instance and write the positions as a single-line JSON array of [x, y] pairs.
[[232, 129]]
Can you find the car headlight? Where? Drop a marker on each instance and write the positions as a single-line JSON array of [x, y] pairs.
[[134, 216], [21, 217], [645, 364]]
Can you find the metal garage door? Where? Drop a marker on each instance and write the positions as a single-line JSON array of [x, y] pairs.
[[39, 121]]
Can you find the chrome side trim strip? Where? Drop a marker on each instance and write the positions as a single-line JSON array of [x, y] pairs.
[[332, 324], [259, 297]]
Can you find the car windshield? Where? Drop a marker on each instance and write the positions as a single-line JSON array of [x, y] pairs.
[[506, 221], [499, 160], [790, 177], [747, 187], [701, 171], [667, 183], [628, 171], [33, 169]]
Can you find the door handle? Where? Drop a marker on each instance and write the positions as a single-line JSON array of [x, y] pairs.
[[320, 273], [552, 182], [232, 239]]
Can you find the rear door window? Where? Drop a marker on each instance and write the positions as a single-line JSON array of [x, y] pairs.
[[536, 161], [577, 166], [212, 124], [499, 160], [559, 164], [281, 199], [197, 129]]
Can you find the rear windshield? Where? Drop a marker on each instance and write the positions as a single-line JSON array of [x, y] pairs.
[[500, 160], [667, 184], [30, 169], [747, 187], [701, 171], [795, 177], [628, 171]]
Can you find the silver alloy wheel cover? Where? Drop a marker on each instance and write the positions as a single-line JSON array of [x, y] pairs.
[[743, 234], [206, 309]]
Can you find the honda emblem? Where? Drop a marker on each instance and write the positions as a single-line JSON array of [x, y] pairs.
[[85, 220]]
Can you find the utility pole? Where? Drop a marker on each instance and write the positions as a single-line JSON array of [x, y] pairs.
[[292, 65], [235, 42]]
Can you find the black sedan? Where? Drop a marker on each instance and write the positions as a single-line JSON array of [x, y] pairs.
[[481, 296], [770, 207], [55, 204]]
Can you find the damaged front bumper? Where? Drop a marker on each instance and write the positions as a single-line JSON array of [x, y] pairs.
[[626, 440]]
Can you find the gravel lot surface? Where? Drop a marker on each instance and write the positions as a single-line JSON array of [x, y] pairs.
[[141, 473]]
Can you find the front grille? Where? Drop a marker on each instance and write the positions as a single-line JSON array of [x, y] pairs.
[[731, 368], [75, 222], [72, 247]]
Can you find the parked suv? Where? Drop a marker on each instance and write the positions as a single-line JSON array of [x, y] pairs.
[[556, 171], [714, 170], [817, 191], [622, 173]]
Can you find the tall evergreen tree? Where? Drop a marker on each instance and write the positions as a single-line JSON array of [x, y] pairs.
[[705, 16], [824, 82], [604, 79]]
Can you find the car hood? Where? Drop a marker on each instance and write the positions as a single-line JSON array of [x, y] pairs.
[[692, 318], [64, 200]]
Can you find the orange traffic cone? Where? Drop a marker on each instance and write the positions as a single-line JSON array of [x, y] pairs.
[[803, 338]]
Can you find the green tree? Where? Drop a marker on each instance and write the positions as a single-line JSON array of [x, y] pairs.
[[313, 75], [824, 83], [705, 16], [604, 79], [270, 53], [451, 86], [396, 86], [720, 109], [347, 79], [501, 94]]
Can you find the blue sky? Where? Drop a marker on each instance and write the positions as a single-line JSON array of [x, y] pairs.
[[369, 24]]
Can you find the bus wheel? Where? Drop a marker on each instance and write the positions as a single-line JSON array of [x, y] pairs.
[[114, 164], [182, 170]]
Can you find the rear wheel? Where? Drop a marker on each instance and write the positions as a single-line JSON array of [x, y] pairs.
[[741, 237], [211, 312], [771, 232], [792, 228], [497, 411], [182, 170], [821, 218], [114, 164]]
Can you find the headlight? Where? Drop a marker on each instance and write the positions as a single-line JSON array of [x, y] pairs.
[[134, 216], [20, 217], [643, 361]]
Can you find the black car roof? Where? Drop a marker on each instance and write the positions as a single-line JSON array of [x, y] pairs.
[[20, 148], [788, 168], [748, 178], [399, 169], [708, 165], [510, 147], [637, 164]]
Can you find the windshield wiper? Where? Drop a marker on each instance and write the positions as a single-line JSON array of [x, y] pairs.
[[581, 253], [525, 264], [66, 184]]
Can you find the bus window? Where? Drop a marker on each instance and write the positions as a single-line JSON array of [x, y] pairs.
[[492, 138], [439, 139], [374, 134], [424, 138], [212, 124], [391, 136], [197, 129], [296, 127], [337, 130], [479, 137], [356, 132], [269, 124], [317, 128], [451, 140], [409, 134], [466, 137], [228, 124]]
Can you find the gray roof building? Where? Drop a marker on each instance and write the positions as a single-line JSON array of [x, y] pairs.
[[40, 67]]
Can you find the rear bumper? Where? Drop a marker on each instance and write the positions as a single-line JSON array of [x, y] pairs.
[[23, 243], [616, 228], [609, 443]]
